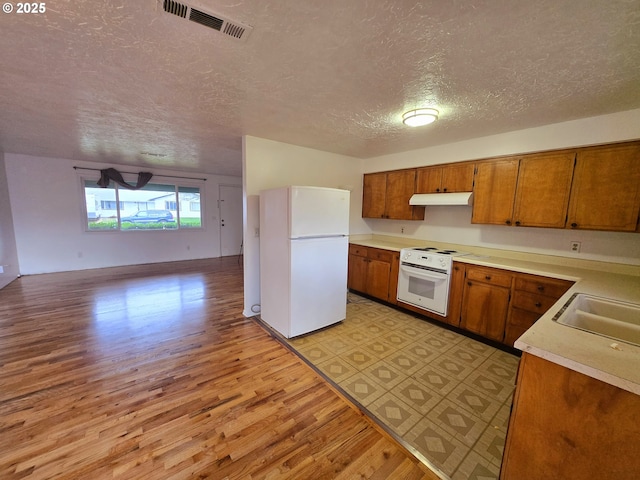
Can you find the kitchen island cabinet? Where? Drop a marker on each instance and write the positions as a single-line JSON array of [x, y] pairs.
[[373, 271], [485, 301], [387, 194], [566, 425]]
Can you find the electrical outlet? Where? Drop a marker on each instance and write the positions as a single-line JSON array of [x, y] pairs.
[[575, 247], [401, 229]]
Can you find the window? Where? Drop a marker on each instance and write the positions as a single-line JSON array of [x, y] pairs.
[[110, 205], [153, 207]]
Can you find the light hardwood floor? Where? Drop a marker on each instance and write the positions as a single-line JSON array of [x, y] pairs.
[[152, 372]]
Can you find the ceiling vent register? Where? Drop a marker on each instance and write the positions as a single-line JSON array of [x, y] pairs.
[[216, 22]]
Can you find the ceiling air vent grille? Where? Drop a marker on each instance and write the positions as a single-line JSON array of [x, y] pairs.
[[223, 25], [205, 19], [176, 8], [234, 30]]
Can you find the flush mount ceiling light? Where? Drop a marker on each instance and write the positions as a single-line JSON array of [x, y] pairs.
[[420, 116]]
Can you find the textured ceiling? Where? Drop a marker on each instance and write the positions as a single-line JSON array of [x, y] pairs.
[[123, 82]]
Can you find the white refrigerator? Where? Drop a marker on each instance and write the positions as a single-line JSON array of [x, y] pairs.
[[303, 258]]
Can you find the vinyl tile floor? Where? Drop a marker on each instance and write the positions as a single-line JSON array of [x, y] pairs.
[[446, 396]]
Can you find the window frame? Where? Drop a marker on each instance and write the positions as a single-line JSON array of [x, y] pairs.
[[129, 178]]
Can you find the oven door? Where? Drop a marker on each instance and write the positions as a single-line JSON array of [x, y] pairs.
[[425, 289]]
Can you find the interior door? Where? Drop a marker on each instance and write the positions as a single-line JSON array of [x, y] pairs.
[[230, 205]]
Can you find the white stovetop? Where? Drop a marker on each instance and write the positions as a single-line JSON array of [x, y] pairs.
[[581, 351]]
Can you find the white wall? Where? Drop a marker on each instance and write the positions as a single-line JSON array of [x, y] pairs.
[[46, 199], [8, 251], [453, 224], [269, 164]]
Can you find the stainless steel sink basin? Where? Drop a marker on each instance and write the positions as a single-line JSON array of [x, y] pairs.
[[602, 316]]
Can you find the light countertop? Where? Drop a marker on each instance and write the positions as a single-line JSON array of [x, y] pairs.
[[612, 361]]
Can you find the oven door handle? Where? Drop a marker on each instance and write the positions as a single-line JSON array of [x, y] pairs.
[[419, 272]]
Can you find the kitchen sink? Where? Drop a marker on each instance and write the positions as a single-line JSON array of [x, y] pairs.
[[602, 316]]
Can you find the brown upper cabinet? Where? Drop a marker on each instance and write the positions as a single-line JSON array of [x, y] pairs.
[[448, 178], [542, 194], [494, 191], [530, 191], [387, 194], [606, 189], [589, 188]]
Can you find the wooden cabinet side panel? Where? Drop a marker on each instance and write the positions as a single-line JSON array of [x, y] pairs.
[[392, 297], [456, 289], [374, 192], [606, 189], [458, 178], [566, 425], [542, 194], [494, 192]]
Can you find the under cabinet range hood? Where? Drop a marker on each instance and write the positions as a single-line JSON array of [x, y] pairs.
[[458, 198]]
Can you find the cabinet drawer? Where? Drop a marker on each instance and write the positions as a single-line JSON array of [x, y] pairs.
[[489, 275], [532, 302], [544, 286], [358, 250], [382, 255]]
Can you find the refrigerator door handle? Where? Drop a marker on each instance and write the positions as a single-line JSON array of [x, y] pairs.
[[311, 237]]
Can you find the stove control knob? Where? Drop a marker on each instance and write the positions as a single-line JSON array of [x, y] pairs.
[[442, 262]]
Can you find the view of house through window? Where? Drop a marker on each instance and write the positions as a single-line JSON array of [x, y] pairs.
[[155, 206]]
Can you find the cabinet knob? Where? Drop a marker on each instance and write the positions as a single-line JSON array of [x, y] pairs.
[[508, 222], [444, 189], [487, 277], [574, 225], [469, 283], [437, 189], [538, 304], [540, 288], [517, 222]]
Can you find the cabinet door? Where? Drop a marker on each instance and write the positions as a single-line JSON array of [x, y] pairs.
[[542, 195], [429, 180], [401, 186], [378, 274], [458, 178], [357, 273], [484, 309], [374, 195], [519, 322], [494, 192], [606, 189]]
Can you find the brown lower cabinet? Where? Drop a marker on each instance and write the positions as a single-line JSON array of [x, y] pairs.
[[532, 297], [565, 426], [497, 304], [485, 301], [373, 271]]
